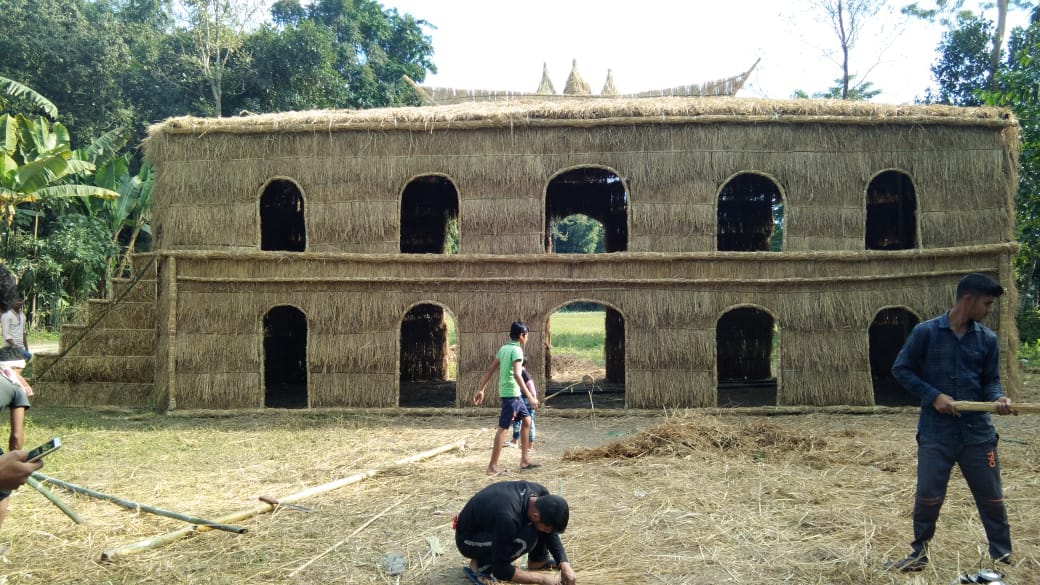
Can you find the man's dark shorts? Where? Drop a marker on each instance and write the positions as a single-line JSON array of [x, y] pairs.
[[512, 409]]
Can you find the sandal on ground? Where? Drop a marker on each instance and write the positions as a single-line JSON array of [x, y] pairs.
[[479, 578]]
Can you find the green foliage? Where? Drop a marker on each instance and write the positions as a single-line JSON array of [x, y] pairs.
[[577, 234], [38, 162], [373, 47], [286, 70], [1017, 86], [62, 268], [857, 91], [963, 64], [1029, 354]]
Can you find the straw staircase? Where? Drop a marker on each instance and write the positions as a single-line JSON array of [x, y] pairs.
[[110, 358]]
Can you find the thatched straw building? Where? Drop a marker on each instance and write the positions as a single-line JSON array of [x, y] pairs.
[[300, 257]]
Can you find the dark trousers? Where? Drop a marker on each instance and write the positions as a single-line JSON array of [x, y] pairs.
[[478, 547], [981, 469]]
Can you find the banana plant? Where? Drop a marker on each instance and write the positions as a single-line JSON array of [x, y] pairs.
[[38, 164], [10, 88]]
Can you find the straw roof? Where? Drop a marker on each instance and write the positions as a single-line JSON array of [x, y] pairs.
[[587, 112]]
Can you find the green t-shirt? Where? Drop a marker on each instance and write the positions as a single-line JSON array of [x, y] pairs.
[[509, 354]]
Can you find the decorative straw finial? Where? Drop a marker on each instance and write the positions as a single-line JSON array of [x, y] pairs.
[[546, 86], [608, 86], [575, 84]]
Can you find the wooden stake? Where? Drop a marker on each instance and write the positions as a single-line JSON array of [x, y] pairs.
[[162, 539]]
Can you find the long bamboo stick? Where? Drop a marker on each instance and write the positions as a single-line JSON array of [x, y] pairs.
[[162, 539], [54, 500], [1022, 408], [139, 507]]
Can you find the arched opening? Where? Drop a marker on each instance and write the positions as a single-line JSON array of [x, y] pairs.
[[750, 215], [430, 216], [585, 356], [891, 212], [285, 358], [747, 354], [887, 334], [579, 200], [429, 357], [282, 224]]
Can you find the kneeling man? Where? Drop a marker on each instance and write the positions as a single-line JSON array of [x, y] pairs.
[[504, 521]]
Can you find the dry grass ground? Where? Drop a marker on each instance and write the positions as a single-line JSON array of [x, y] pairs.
[[729, 499]]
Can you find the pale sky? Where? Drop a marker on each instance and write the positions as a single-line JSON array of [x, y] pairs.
[[656, 44]]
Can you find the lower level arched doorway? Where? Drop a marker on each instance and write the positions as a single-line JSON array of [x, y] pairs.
[[429, 362], [285, 358], [747, 354], [887, 334], [585, 356]]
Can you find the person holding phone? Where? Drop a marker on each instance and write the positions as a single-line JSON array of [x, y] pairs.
[[14, 399]]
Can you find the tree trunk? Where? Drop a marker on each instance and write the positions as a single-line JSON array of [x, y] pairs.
[[998, 42]]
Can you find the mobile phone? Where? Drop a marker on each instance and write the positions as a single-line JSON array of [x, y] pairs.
[[48, 447]]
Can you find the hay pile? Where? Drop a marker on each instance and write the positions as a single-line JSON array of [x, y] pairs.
[[691, 433]]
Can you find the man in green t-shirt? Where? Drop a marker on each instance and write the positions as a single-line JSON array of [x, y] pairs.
[[511, 388]]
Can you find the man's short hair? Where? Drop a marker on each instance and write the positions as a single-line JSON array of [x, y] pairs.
[[517, 329], [553, 510], [980, 285]]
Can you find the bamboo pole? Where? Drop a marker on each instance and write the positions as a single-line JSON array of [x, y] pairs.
[[171, 334], [1022, 408], [36, 485], [139, 507], [162, 539]]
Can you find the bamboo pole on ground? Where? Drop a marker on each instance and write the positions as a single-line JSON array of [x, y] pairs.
[[1023, 408], [54, 499], [139, 507], [162, 539]]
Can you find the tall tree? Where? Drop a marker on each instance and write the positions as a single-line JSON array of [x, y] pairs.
[[962, 70], [292, 68], [1017, 86], [848, 19], [71, 51], [374, 47], [948, 12], [215, 29]]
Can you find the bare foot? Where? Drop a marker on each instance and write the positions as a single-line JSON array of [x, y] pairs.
[[493, 471]]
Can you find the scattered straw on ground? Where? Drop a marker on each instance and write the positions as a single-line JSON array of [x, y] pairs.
[[681, 499]]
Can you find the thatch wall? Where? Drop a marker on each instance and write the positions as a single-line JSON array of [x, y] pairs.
[[670, 287], [823, 304], [674, 155]]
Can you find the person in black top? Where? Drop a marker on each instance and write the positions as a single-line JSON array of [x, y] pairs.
[[504, 521]]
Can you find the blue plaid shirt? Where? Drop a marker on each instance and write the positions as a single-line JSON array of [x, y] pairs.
[[933, 361]]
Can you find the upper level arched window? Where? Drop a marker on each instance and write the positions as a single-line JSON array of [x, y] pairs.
[[282, 223], [750, 215], [430, 216], [891, 212], [589, 198]]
